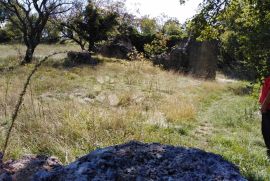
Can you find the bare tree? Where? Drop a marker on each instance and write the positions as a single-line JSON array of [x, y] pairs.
[[31, 16]]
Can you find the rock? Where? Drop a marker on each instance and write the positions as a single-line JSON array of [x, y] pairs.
[[120, 47], [88, 100], [25, 168], [135, 161], [203, 58], [100, 80], [158, 118], [138, 97], [197, 58], [113, 100], [5, 177], [101, 98]]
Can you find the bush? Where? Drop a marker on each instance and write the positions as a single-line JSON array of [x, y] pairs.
[[174, 40], [139, 40], [4, 36], [157, 46]]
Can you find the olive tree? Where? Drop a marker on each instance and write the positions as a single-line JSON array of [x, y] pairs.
[[30, 17], [89, 25]]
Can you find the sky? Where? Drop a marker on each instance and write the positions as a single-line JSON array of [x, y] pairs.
[[171, 8]]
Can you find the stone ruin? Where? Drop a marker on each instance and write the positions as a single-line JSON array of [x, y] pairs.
[[119, 48], [133, 161], [189, 56], [196, 58]]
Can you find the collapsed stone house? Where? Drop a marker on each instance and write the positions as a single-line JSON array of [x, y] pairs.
[[119, 48], [193, 57], [189, 56]]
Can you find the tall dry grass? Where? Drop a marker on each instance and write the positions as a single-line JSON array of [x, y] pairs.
[[69, 112]]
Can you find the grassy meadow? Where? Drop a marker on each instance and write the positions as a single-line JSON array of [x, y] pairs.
[[69, 111]]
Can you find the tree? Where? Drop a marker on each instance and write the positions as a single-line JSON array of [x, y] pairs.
[[4, 36], [51, 32], [90, 25], [30, 17], [70, 25], [242, 27], [15, 33], [148, 26], [157, 46], [97, 24], [2, 14], [245, 34], [172, 27]]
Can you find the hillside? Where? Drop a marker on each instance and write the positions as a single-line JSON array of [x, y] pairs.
[[69, 111]]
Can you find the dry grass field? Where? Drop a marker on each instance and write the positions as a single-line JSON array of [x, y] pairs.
[[69, 111]]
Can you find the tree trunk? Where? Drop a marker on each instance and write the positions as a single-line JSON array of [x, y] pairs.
[[82, 47], [28, 55], [91, 46]]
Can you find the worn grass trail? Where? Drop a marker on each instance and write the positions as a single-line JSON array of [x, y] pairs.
[[236, 134], [203, 132]]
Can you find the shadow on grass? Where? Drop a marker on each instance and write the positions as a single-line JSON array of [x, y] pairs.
[[68, 64], [254, 177], [8, 69], [241, 91]]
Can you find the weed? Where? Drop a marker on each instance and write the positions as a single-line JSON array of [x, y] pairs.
[[56, 120]]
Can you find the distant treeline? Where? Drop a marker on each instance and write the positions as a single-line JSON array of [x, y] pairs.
[[240, 27]]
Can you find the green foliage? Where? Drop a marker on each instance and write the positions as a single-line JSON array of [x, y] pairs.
[[172, 27], [13, 33], [2, 14], [246, 36], [139, 40], [201, 29], [92, 25], [242, 28], [148, 26], [157, 46], [51, 33], [135, 55], [97, 24], [4, 36]]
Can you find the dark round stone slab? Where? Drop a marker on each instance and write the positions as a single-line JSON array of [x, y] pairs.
[[135, 161]]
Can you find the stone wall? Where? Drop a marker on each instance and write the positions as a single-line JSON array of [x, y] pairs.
[[202, 58], [196, 58], [118, 48]]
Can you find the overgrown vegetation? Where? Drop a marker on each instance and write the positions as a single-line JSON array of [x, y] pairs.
[[240, 26], [69, 112]]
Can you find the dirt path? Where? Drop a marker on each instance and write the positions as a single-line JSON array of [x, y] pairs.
[[203, 132], [205, 128]]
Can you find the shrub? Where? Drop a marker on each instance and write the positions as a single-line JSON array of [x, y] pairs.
[[4, 36], [157, 46]]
